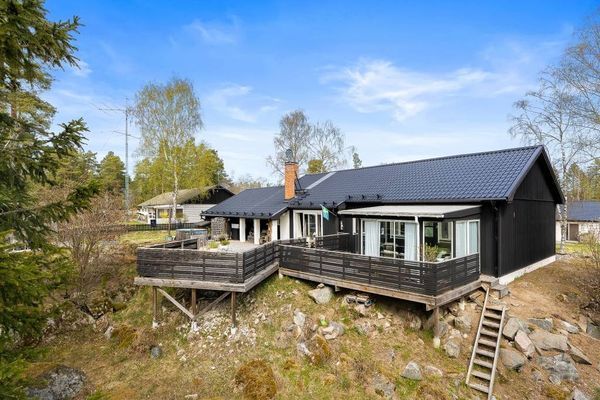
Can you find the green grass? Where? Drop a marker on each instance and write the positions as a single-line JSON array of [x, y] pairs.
[[573, 248], [145, 237], [123, 369]]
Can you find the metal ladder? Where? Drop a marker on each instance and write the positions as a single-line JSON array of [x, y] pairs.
[[482, 367]]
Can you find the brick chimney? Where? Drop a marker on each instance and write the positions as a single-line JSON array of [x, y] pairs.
[[290, 175]]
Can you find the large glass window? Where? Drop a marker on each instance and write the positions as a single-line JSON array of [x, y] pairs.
[[467, 238], [437, 237], [309, 224], [393, 239]]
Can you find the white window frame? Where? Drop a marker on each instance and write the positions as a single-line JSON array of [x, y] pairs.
[[299, 229], [468, 236], [451, 238], [406, 221]]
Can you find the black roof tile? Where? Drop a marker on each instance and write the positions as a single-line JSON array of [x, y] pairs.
[[492, 175]]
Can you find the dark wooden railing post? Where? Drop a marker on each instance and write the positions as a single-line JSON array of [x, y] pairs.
[[203, 266], [237, 268], [320, 263]]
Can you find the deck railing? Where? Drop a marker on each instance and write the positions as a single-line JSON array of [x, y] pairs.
[[331, 256], [428, 278], [182, 260]]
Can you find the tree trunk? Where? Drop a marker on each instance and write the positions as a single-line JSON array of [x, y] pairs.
[[175, 191]]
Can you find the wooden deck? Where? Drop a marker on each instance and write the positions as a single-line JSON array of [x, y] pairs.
[[181, 265], [430, 302]]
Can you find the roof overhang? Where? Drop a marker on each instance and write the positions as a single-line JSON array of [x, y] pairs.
[[418, 210]]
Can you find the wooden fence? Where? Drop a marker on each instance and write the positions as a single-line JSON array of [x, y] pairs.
[[181, 260], [410, 276], [332, 256], [338, 242], [162, 227]]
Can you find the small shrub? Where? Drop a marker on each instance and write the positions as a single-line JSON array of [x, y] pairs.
[[257, 379], [213, 245], [124, 336], [592, 246], [224, 242], [554, 392], [431, 253], [597, 393]]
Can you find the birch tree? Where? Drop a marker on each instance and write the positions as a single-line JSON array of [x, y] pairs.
[[168, 117], [546, 116], [580, 69], [316, 147]]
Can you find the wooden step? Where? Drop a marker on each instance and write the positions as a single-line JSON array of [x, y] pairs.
[[492, 315], [485, 353], [488, 343], [491, 324], [479, 387], [481, 375], [493, 307], [489, 333], [482, 363]]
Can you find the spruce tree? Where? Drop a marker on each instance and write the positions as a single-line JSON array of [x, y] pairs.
[[30, 156]]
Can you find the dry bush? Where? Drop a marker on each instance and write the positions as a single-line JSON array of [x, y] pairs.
[[257, 379], [92, 239], [592, 246]]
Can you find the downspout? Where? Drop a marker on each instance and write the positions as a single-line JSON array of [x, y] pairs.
[[498, 234]]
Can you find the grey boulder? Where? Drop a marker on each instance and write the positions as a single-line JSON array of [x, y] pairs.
[[549, 341], [545, 323], [569, 327], [512, 359], [593, 330], [452, 348], [512, 326], [383, 387], [412, 371], [430, 370], [61, 383], [578, 395], [524, 344], [463, 323], [578, 356], [321, 295], [561, 368]]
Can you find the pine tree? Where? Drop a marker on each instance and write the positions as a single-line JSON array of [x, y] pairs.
[[31, 155]]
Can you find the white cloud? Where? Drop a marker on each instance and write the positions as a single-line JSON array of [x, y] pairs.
[[378, 85], [83, 70], [215, 33], [221, 99], [227, 101]]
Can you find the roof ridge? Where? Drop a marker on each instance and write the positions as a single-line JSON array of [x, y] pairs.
[[444, 157]]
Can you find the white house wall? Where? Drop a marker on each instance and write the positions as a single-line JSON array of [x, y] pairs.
[[584, 228], [284, 225], [191, 212]]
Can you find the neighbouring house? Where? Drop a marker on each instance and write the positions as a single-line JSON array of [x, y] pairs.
[[583, 217], [190, 204], [499, 206]]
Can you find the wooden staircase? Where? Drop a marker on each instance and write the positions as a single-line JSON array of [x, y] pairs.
[[482, 367]]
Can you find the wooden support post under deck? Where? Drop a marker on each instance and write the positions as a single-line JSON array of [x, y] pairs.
[[154, 306], [194, 305], [436, 327], [233, 305]]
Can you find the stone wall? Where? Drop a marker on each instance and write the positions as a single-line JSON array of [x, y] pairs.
[[218, 227]]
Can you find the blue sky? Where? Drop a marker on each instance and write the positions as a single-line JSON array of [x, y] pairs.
[[402, 81]]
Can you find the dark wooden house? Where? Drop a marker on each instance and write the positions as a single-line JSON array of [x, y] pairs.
[[498, 205]]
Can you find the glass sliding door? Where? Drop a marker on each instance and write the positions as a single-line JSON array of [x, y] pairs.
[[467, 238], [388, 238], [461, 239], [371, 238], [473, 237], [410, 241]]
